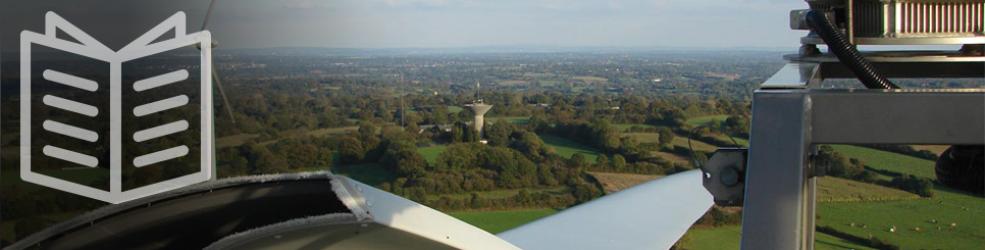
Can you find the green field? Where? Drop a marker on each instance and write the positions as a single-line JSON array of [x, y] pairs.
[[372, 174], [430, 153], [838, 190], [727, 237], [626, 126], [883, 160], [644, 137], [678, 141], [698, 146], [455, 109], [501, 193], [702, 120], [920, 223], [499, 221], [948, 206], [741, 141], [566, 148]]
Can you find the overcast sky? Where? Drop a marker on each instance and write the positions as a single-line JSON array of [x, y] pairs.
[[470, 23], [432, 23]]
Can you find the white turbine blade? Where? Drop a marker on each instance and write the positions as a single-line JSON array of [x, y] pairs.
[[652, 215], [396, 213]]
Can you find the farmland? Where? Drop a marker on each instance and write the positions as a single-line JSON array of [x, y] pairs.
[[502, 193], [838, 189], [644, 137], [499, 221], [921, 223], [702, 120], [727, 237], [614, 182], [627, 126], [697, 145], [889, 161], [430, 153], [566, 148], [950, 220]]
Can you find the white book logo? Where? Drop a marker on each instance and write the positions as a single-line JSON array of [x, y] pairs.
[[144, 46]]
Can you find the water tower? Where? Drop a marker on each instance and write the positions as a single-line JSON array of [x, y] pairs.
[[479, 108]]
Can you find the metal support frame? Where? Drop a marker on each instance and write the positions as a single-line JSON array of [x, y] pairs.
[[790, 119]]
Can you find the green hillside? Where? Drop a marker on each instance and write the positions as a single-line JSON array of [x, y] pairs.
[[499, 221]]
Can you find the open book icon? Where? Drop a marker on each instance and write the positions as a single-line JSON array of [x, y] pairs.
[[143, 114]]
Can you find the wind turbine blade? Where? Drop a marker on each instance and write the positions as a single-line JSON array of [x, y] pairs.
[[653, 215], [222, 93], [395, 212]]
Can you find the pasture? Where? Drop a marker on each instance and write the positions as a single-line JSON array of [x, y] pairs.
[[626, 126], [889, 161], [499, 221], [502, 193], [924, 223], [566, 148], [950, 220], [430, 153], [834, 189], [727, 237], [702, 120], [614, 182]]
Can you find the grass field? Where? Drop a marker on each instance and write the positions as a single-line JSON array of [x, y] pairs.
[[698, 146], [372, 174], [614, 182], [430, 153], [838, 190], [702, 120], [499, 221], [644, 137], [626, 126], [501, 193], [671, 157], [920, 223], [889, 161], [933, 217], [936, 149], [566, 148], [454, 109], [727, 237], [678, 141], [741, 141]]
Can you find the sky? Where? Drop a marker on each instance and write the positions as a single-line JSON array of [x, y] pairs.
[[432, 23], [479, 23]]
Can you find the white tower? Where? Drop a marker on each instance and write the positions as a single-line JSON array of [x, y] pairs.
[[479, 109]]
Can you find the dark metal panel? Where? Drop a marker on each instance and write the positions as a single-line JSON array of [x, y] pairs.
[[911, 69], [776, 214], [878, 117]]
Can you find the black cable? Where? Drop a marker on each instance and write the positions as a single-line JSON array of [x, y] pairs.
[[215, 74], [846, 52]]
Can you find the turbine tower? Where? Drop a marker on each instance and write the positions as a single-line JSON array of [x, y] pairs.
[[479, 108]]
